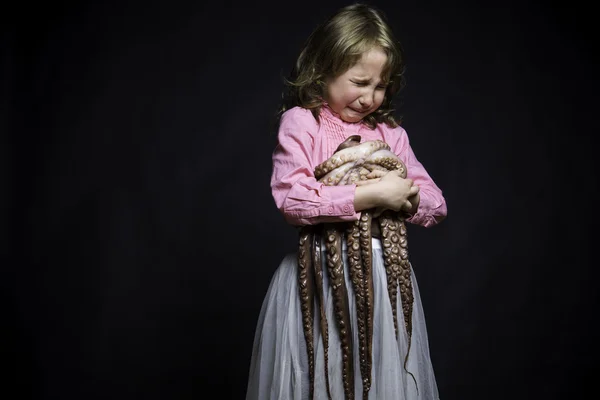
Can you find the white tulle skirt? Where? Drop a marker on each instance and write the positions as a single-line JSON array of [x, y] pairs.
[[279, 365]]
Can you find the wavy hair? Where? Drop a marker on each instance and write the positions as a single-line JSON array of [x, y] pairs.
[[335, 46]]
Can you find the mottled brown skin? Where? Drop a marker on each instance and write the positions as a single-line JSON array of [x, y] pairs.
[[351, 162], [316, 260], [306, 283]]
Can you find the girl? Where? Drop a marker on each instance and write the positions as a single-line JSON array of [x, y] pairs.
[[342, 85]]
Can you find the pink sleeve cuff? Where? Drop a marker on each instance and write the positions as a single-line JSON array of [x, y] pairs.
[[336, 204]]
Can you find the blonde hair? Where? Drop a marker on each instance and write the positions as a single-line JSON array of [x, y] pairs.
[[334, 47]]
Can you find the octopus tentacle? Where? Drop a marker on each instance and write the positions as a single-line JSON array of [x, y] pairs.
[[393, 231], [350, 163], [306, 285], [318, 273], [386, 159], [391, 259], [357, 277], [372, 167], [349, 154], [335, 268], [336, 175], [366, 248], [404, 279]]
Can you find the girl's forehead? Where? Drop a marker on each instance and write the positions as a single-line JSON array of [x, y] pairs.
[[371, 62]]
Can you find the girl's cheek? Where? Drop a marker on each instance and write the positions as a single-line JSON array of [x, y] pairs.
[[355, 93]]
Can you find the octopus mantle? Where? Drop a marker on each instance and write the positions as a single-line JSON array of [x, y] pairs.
[[353, 161]]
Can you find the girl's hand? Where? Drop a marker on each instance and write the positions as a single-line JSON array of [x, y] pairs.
[[412, 203], [396, 191], [387, 192]]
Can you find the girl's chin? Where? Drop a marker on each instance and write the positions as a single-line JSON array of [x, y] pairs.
[[352, 116]]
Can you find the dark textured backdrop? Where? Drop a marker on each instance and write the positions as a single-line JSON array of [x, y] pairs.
[[138, 230]]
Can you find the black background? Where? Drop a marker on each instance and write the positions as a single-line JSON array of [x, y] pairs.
[[138, 230]]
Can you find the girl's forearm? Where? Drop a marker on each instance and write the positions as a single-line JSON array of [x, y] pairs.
[[367, 197]]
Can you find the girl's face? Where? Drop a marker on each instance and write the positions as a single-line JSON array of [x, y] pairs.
[[359, 91]]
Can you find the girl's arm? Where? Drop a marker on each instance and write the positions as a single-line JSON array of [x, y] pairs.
[[429, 205], [305, 201], [298, 195]]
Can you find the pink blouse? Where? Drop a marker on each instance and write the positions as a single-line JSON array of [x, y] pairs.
[[303, 144]]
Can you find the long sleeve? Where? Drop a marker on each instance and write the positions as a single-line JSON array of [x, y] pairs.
[[298, 195], [432, 206]]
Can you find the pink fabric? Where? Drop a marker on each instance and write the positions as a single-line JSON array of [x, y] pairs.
[[303, 143]]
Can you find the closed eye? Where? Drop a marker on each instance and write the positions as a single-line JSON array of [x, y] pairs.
[[366, 83]]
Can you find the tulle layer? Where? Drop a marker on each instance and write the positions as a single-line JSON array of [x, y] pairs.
[[279, 365]]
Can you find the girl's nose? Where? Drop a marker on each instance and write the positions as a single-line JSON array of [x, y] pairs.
[[366, 100]]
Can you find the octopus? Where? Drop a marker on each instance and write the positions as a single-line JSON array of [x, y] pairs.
[[351, 162]]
